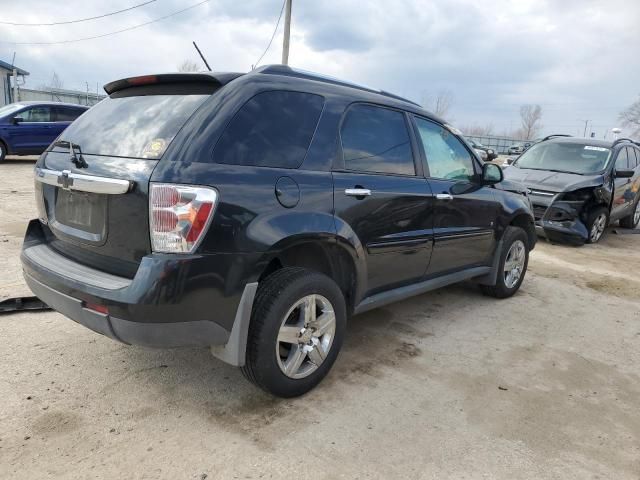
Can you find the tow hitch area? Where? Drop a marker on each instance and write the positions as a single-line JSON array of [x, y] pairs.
[[18, 304]]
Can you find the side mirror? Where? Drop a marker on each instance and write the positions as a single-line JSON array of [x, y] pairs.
[[17, 120], [491, 174], [624, 173]]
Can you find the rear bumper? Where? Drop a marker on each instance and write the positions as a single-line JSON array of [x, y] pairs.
[[173, 300]]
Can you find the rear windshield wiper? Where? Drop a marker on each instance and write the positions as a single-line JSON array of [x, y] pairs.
[[78, 161]]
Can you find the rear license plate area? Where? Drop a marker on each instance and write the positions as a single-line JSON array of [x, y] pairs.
[[84, 212]]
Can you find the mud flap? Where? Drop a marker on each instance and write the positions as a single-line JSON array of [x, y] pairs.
[[20, 304]]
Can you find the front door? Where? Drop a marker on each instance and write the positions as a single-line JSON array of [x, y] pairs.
[[380, 197], [34, 133], [464, 212], [624, 193]]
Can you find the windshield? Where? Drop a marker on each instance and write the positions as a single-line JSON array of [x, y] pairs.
[[565, 157], [8, 109], [137, 126]]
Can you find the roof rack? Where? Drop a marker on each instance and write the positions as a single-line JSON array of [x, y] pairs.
[[623, 140], [318, 77], [548, 137]]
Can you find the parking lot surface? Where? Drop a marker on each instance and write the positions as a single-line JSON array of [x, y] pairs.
[[449, 384]]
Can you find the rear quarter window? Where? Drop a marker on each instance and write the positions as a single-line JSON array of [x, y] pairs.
[[273, 129]]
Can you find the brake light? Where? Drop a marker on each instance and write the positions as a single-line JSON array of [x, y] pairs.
[[179, 215], [143, 80]]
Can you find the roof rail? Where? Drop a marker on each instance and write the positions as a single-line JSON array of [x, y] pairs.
[[548, 137], [623, 140], [318, 77]]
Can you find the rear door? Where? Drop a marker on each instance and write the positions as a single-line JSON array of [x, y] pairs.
[[62, 118], [97, 208], [464, 212], [382, 197]]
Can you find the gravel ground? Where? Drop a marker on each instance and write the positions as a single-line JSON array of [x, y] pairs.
[[449, 384]]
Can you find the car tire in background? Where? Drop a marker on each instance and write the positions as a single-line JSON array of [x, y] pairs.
[[297, 328], [632, 220], [596, 224], [3, 151], [514, 259]]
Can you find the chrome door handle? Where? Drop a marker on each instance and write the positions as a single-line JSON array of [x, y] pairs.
[[444, 196], [357, 192]]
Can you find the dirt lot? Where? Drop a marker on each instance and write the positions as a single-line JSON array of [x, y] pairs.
[[450, 384]]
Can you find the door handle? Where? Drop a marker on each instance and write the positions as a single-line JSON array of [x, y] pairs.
[[444, 196], [357, 192]]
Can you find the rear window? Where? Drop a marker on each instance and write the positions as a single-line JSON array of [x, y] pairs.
[[132, 126], [273, 129]]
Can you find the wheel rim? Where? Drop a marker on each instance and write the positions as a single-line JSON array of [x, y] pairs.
[[636, 215], [514, 263], [597, 229], [305, 336]]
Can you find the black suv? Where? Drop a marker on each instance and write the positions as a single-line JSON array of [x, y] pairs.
[[578, 186], [254, 213]]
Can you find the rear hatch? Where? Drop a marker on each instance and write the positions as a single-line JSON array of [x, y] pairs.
[[92, 185]]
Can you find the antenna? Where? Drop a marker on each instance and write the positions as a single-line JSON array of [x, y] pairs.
[[201, 56]]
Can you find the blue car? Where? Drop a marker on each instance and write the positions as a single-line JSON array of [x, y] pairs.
[[28, 128]]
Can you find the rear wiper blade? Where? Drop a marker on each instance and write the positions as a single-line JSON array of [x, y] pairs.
[[78, 161]]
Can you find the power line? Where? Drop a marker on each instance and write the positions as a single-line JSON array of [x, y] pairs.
[[110, 33], [80, 20], [272, 36]]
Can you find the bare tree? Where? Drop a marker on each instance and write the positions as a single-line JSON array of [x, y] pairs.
[[631, 118], [478, 131], [440, 104], [530, 116], [188, 66], [56, 82]]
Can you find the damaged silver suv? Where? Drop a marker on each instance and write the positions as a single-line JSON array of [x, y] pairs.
[[578, 186]]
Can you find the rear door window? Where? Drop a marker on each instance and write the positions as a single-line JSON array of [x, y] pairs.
[[376, 139], [136, 126], [273, 129], [62, 114]]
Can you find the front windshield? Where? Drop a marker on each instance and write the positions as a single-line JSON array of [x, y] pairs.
[[565, 157], [8, 109]]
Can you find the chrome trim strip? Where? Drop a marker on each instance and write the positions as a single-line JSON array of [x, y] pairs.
[[83, 183]]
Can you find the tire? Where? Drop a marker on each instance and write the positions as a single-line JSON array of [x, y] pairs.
[[514, 243], [597, 222], [632, 220], [278, 317], [3, 151]]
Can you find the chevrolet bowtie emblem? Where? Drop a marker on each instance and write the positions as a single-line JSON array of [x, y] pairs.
[[64, 180]]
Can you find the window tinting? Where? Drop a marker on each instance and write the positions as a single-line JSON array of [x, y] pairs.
[[447, 158], [67, 114], [273, 129], [136, 126], [622, 162], [36, 114], [376, 140]]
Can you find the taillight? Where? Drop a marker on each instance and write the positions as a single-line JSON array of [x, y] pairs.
[[179, 216]]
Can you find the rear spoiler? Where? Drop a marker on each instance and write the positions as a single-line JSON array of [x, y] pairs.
[[213, 79]]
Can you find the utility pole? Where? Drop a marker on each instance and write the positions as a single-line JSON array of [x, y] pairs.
[[586, 122], [287, 32], [15, 85], [87, 93]]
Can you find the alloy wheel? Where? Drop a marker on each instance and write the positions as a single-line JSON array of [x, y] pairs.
[[305, 336], [636, 214], [514, 264], [597, 229]]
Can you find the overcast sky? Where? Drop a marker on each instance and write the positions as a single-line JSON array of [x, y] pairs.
[[578, 59]]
